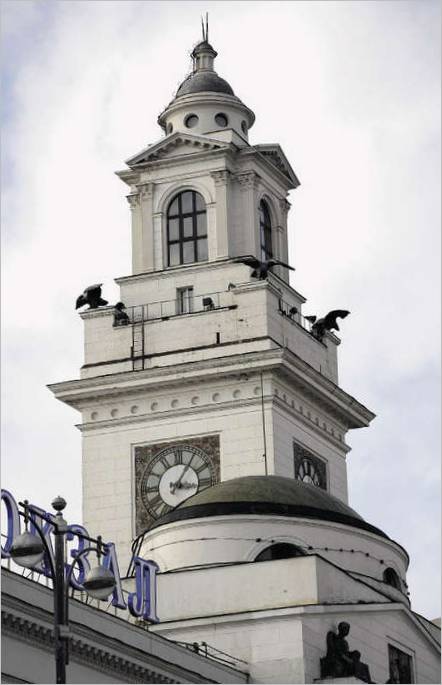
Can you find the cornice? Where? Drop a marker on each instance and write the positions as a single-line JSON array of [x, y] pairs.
[[103, 660], [344, 406]]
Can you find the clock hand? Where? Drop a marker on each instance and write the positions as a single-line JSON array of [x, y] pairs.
[[178, 482]]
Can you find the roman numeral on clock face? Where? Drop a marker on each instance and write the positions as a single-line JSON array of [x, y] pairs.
[[204, 482]]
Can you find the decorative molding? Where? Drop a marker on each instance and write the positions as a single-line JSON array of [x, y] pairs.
[[146, 190], [133, 200], [221, 177], [31, 632], [248, 179]]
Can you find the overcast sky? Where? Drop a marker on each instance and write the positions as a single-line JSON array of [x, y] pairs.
[[351, 92]]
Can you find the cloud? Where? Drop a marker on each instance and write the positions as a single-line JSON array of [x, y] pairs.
[[349, 90]]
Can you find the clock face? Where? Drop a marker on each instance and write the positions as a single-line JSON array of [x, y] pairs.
[[173, 475], [308, 473]]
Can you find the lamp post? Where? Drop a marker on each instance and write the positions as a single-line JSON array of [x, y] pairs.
[[29, 549]]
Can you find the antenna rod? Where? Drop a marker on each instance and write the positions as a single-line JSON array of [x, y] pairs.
[[207, 26]]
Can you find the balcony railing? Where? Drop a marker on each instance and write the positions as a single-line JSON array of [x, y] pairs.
[[184, 304]]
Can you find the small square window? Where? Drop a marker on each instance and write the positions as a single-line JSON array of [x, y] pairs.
[[184, 300]]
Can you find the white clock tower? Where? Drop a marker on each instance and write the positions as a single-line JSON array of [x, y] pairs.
[[211, 359], [212, 418]]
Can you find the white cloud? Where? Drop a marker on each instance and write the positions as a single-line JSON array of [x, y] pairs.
[[349, 90]]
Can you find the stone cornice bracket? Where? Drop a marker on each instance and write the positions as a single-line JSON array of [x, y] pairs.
[[221, 178], [248, 180], [133, 200], [145, 190]]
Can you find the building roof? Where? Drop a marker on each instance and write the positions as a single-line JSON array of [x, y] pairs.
[[264, 495], [204, 81]]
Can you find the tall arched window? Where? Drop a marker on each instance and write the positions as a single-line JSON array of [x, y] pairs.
[[186, 229], [265, 230]]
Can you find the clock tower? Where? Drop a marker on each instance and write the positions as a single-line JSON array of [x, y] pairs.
[[212, 373]]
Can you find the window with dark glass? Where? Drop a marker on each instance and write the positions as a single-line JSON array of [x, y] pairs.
[[400, 666], [186, 229], [265, 230], [391, 578], [184, 300], [280, 550]]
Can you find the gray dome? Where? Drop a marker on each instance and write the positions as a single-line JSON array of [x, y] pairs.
[[264, 495], [204, 81]]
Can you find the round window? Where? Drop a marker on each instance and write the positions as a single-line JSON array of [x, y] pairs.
[[169, 128], [191, 121], [221, 120], [244, 126]]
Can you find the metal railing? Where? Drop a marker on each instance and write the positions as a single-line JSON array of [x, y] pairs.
[[290, 311], [188, 304]]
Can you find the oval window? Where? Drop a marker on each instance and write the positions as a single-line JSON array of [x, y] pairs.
[[244, 127], [191, 121], [169, 128], [221, 120]]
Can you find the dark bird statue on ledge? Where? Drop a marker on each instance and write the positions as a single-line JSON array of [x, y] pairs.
[[327, 323], [120, 316], [92, 297], [261, 269]]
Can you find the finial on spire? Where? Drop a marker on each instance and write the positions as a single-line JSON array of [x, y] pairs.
[[205, 28]]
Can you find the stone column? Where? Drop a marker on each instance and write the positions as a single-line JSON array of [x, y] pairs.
[[147, 240], [222, 188], [248, 182], [137, 232]]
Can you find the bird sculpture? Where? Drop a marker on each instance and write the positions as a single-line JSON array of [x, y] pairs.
[[92, 297], [327, 323], [120, 316], [260, 269]]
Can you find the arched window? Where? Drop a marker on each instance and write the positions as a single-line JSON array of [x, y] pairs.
[[280, 550], [265, 230], [186, 229], [391, 578]]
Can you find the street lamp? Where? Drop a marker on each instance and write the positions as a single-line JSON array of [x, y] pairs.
[[29, 549]]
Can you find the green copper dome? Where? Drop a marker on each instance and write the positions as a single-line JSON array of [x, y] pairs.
[[267, 495]]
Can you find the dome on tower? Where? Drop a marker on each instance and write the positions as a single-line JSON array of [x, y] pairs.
[[267, 495], [205, 103], [204, 79], [202, 82]]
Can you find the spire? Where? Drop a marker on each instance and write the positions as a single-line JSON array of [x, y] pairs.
[[203, 54]]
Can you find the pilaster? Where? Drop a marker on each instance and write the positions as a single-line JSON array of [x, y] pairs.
[[248, 183], [137, 232], [146, 191], [222, 187]]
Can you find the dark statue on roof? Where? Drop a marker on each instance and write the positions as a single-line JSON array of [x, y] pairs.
[[339, 661], [260, 269], [92, 297], [327, 323]]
